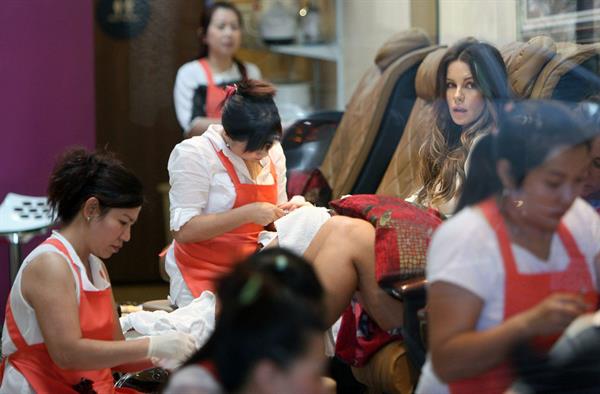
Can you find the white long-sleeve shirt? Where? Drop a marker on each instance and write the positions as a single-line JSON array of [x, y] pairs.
[[189, 92], [201, 185]]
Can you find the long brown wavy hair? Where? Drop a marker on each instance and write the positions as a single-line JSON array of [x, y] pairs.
[[445, 150]]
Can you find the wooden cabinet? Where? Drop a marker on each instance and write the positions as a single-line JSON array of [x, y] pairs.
[[135, 118]]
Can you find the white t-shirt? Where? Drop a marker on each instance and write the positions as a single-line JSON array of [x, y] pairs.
[[189, 93], [201, 185], [193, 379], [24, 314], [464, 251]]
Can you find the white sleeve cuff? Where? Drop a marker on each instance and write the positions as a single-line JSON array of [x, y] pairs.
[[181, 216]]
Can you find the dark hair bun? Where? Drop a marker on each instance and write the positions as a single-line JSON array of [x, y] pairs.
[[255, 88], [79, 175], [250, 115]]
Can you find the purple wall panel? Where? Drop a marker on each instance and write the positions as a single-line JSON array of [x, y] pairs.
[[46, 94]]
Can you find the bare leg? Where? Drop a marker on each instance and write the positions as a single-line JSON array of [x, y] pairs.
[[344, 258]]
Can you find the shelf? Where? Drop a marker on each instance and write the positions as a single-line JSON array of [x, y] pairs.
[[329, 52]]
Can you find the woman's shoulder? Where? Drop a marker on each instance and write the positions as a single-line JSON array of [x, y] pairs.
[[581, 210], [583, 222], [191, 65], [49, 250], [277, 150], [197, 148], [463, 226], [463, 251], [252, 71], [191, 71], [195, 378], [464, 236], [196, 143], [48, 266]]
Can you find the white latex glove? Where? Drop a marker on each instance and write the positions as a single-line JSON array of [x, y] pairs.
[[176, 345], [168, 364]]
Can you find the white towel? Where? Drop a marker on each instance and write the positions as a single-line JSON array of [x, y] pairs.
[[196, 319], [297, 229]]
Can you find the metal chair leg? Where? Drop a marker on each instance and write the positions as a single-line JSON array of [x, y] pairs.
[[14, 255]]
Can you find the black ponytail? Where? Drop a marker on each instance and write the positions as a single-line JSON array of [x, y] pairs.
[[79, 175], [250, 115], [271, 305], [482, 179]]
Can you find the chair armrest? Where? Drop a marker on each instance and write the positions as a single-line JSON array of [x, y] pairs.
[[403, 289]]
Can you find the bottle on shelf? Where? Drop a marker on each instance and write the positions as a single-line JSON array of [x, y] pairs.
[[310, 24]]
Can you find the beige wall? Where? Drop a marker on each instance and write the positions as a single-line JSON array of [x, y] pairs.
[[494, 21], [367, 25]]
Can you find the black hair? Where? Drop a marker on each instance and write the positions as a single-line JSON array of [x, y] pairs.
[[445, 150], [250, 115], [527, 133], [79, 175], [271, 305], [205, 22], [490, 76], [289, 270]]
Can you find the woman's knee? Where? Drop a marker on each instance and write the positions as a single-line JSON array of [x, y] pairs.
[[349, 237], [352, 229]]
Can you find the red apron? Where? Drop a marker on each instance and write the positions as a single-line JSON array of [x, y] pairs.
[[96, 319], [214, 94], [524, 291], [201, 263]]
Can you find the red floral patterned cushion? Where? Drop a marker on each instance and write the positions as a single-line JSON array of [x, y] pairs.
[[403, 231]]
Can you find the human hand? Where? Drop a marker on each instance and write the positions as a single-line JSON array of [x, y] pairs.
[[263, 213], [295, 203], [288, 207], [175, 346], [554, 313]]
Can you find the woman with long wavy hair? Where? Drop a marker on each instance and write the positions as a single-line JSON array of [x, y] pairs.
[[471, 81]]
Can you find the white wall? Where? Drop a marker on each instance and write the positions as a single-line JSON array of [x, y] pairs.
[[494, 21], [367, 25]]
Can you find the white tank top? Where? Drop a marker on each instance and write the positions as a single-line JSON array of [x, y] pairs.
[[24, 314]]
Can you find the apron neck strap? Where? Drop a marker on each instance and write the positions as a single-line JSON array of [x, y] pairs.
[[227, 164], [207, 71], [569, 242], [489, 208]]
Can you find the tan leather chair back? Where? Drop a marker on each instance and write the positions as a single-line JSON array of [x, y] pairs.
[[525, 61], [534, 70], [354, 137], [401, 177], [536, 67], [568, 56]]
